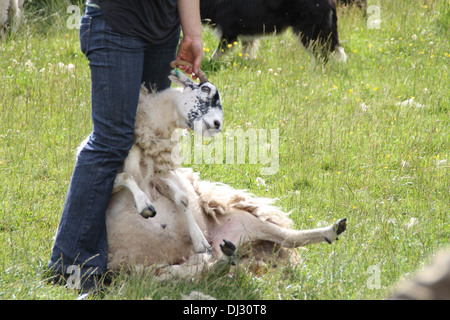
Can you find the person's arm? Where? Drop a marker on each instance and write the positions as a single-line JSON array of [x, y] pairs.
[[191, 47]]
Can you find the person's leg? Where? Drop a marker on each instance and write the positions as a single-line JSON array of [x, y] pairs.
[[157, 63], [116, 64]]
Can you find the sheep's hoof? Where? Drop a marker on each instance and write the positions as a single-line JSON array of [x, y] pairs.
[[228, 247], [340, 226], [148, 212]]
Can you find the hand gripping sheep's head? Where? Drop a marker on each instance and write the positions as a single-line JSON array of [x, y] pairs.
[[199, 104]]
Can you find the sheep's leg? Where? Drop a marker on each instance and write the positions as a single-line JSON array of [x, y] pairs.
[[143, 203], [191, 268], [198, 264], [170, 188], [296, 238], [241, 228], [226, 260]]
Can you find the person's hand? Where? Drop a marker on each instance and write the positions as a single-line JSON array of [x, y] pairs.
[[191, 50]]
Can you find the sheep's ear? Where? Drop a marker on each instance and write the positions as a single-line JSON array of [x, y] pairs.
[[180, 78]]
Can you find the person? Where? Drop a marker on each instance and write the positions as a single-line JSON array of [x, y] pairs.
[[127, 43]]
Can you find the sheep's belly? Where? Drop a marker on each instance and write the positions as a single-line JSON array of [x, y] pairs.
[[163, 239]]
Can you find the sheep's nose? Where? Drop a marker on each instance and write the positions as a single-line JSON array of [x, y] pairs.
[[213, 124]]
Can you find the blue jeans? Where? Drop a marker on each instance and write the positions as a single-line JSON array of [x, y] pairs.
[[119, 64]]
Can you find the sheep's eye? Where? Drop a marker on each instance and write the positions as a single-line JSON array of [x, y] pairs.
[[206, 89]]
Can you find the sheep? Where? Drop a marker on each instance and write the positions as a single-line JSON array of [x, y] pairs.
[[432, 283], [313, 21], [152, 194], [10, 14]]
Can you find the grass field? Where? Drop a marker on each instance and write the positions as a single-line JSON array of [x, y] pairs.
[[367, 140]]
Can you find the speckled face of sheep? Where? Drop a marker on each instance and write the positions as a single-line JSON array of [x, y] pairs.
[[199, 105]]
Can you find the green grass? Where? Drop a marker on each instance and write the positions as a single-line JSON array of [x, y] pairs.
[[347, 149]]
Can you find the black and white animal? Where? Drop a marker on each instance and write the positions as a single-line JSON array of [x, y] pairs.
[[361, 4], [10, 14], [313, 21], [165, 216]]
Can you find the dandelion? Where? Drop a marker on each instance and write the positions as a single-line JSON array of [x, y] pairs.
[[240, 55], [370, 46], [410, 44], [350, 90], [355, 51], [235, 43], [229, 45], [375, 88]]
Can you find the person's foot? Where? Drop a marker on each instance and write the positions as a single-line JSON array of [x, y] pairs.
[[89, 286], [94, 285]]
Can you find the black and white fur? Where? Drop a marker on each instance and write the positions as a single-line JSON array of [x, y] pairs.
[[313, 21], [361, 4]]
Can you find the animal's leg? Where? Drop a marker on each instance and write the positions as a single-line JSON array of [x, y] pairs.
[[191, 268], [229, 257], [198, 264], [223, 47], [249, 47], [312, 41], [296, 238], [143, 203], [241, 227], [171, 188]]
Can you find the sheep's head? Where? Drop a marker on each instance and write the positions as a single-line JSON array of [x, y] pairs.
[[199, 104]]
